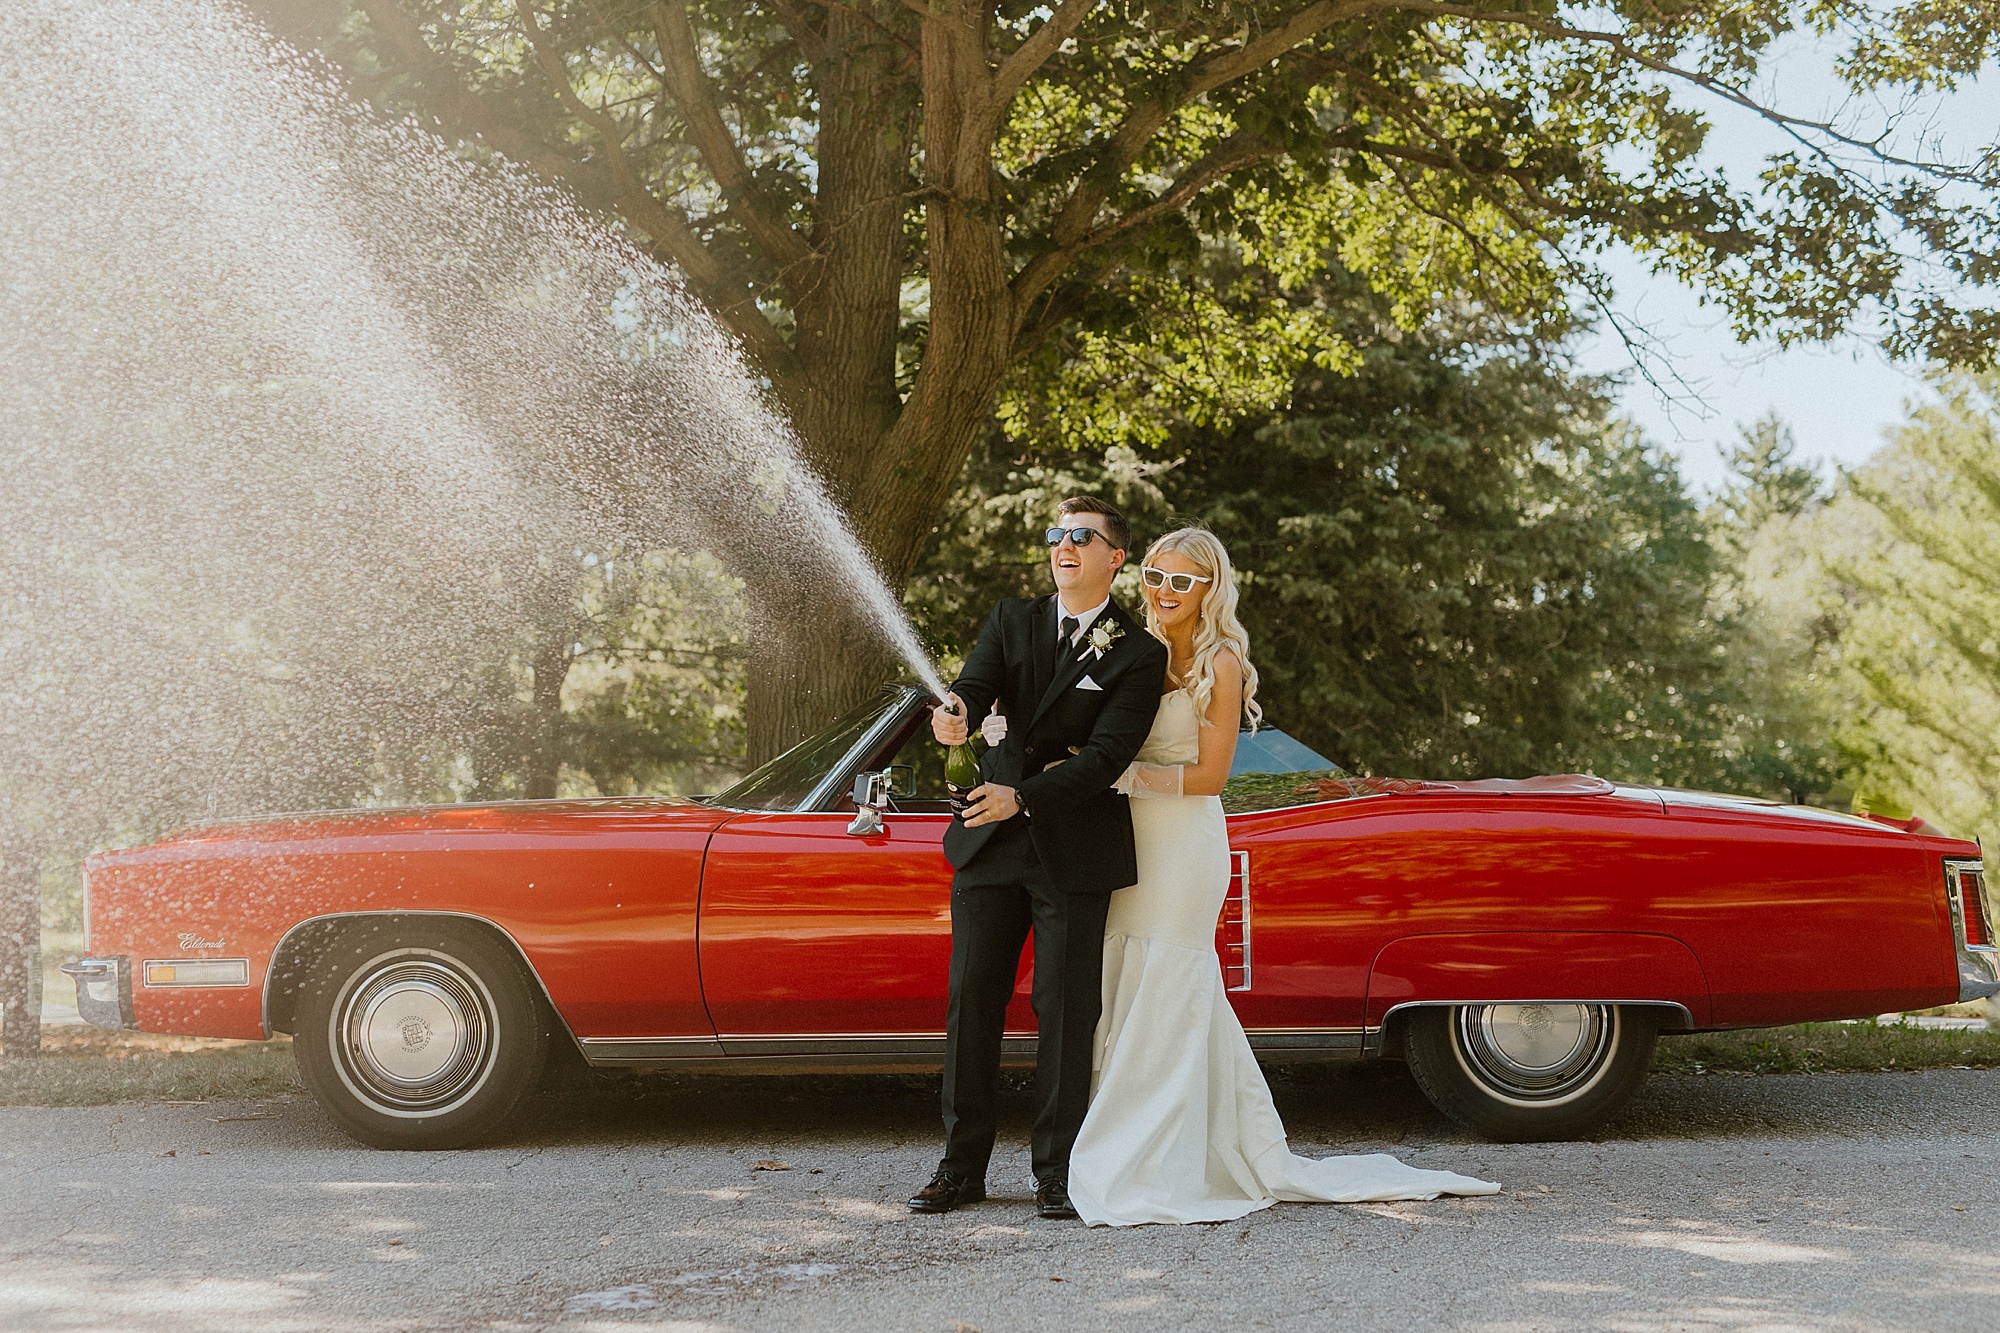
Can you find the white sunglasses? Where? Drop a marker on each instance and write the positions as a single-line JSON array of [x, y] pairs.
[[1153, 578]]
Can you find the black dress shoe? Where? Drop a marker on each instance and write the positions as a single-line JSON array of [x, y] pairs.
[[1052, 1201], [946, 1192]]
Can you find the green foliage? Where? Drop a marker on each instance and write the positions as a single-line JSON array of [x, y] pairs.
[[1913, 568], [653, 701], [1865, 614], [649, 651], [1779, 632], [1455, 563], [1767, 485], [1459, 568], [1489, 152], [1129, 207]]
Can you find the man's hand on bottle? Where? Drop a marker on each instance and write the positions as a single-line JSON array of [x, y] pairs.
[[989, 803], [948, 722]]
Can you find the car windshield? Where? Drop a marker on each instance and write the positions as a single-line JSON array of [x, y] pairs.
[[785, 782]]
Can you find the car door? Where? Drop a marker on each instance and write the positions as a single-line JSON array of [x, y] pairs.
[[813, 941]]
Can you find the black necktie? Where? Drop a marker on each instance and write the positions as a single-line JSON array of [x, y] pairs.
[[1067, 642]]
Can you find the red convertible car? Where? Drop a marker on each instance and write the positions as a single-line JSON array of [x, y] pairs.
[[1519, 943]]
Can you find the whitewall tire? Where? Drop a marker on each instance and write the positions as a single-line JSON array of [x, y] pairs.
[[1530, 1071], [418, 1032]]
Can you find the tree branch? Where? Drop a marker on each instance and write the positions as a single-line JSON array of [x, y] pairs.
[[1076, 220], [1237, 151], [792, 15], [406, 42], [688, 85], [1197, 80], [1621, 44], [1398, 110], [984, 122], [732, 302], [1057, 308]]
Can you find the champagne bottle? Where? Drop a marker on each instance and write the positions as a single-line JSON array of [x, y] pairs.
[[961, 771]]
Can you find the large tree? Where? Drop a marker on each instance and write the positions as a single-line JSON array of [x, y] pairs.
[[893, 204]]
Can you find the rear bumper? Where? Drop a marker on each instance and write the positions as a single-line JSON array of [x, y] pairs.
[[1978, 975], [103, 990]]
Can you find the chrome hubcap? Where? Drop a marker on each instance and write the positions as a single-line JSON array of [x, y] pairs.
[[1536, 1052], [416, 1032]]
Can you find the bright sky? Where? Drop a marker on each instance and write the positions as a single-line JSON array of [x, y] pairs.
[[1838, 400]]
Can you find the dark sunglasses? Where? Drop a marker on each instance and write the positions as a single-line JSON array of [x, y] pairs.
[[1081, 536]]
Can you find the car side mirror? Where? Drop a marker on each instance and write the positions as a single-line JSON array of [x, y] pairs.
[[902, 779], [871, 798]]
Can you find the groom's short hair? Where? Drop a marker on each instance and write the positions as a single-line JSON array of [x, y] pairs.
[[1115, 526]]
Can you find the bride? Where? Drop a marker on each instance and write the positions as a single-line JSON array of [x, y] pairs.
[[1181, 1126]]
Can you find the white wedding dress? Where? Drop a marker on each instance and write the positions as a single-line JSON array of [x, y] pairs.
[[1181, 1125]]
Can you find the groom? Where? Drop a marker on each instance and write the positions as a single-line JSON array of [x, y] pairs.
[[1042, 845]]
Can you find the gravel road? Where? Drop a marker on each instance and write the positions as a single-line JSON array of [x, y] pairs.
[[1837, 1201]]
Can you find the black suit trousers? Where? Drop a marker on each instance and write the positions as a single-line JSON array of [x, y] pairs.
[[993, 910]]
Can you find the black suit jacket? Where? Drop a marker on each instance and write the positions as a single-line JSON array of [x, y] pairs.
[[1081, 829]]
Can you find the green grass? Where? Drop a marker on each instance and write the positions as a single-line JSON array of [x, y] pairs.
[[86, 1067], [1826, 1048]]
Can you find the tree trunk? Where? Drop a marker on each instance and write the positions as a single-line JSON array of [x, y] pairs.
[[20, 946], [892, 466], [544, 758], [848, 300], [808, 665]]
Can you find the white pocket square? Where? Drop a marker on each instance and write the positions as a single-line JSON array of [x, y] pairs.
[[1088, 684]]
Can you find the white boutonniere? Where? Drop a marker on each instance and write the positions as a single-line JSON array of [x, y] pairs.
[[1105, 633]]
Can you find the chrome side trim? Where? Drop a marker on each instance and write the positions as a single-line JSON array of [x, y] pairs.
[[1978, 964], [778, 1052], [1242, 860], [1375, 1033], [1302, 1038], [647, 1050], [277, 951], [1285, 1046], [846, 1043]]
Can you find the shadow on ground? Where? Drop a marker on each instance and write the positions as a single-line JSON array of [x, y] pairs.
[[1373, 1102], [1320, 1103]]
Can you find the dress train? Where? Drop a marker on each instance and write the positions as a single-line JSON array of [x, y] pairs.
[[1181, 1126]]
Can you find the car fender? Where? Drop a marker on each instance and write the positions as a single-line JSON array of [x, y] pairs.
[[1536, 965]]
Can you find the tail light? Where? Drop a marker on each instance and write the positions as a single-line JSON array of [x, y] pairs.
[[1976, 923]]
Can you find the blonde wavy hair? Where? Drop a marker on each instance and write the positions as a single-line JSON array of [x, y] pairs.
[[1217, 627]]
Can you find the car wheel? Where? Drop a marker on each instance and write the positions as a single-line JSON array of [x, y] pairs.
[[418, 1034], [1524, 1073]]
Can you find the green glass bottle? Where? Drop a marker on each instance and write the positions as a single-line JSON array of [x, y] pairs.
[[961, 772]]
